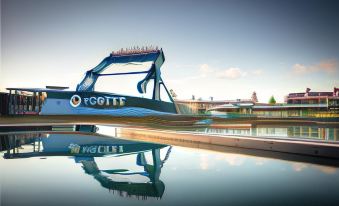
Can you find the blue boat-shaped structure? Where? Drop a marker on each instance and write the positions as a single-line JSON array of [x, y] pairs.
[[85, 100]]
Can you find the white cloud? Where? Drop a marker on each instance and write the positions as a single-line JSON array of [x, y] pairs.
[[257, 72], [205, 70], [299, 68], [231, 73], [327, 66]]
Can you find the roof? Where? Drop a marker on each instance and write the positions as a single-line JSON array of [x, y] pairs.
[[310, 94], [226, 106], [36, 89], [214, 101], [234, 106], [311, 97], [289, 106], [281, 106]]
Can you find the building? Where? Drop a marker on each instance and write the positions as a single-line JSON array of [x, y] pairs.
[[307, 104], [194, 106], [330, 99]]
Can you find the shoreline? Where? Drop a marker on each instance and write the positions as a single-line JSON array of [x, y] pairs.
[[165, 120]]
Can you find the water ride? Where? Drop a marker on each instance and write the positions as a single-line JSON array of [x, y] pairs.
[[85, 100]]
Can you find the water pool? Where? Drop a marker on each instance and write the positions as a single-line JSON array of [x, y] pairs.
[[81, 168]]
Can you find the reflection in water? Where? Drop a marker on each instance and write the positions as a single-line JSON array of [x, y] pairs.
[[125, 182], [79, 168], [239, 160], [86, 148], [311, 132]]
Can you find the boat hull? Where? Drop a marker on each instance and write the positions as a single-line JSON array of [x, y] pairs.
[[99, 103]]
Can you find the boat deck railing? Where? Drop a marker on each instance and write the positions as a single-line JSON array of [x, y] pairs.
[[23, 102]]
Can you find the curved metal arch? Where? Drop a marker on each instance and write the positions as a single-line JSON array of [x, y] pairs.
[[156, 56]]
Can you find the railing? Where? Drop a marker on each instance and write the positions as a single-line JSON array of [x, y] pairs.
[[22, 104], [324, 114], [3, 103]]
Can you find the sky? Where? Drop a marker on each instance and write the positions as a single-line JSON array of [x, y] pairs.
[[221, 49]]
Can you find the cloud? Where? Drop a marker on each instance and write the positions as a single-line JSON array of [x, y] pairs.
[[327, 66], [205, 70], [299, 68], [257, 72], [231, 73]]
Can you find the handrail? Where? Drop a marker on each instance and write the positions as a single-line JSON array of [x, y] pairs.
[[123, 73]]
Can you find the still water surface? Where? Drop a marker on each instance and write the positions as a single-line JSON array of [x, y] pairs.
[[68, 168], [324, 133]]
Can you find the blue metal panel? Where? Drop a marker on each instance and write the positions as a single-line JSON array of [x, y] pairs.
[[157, 57]]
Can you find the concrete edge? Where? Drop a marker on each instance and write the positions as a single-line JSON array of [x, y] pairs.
[[309, 148]]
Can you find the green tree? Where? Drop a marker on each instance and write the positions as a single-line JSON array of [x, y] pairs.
[[272, 100]]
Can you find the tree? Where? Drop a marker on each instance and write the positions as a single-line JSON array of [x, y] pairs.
[[272, 100]]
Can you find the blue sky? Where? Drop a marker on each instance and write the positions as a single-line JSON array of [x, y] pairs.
[[224, 49]]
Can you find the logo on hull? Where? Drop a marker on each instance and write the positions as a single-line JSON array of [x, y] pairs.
[[95, 149], [76, 100]]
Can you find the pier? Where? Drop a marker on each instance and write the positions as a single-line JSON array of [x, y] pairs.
[[274, 144]]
